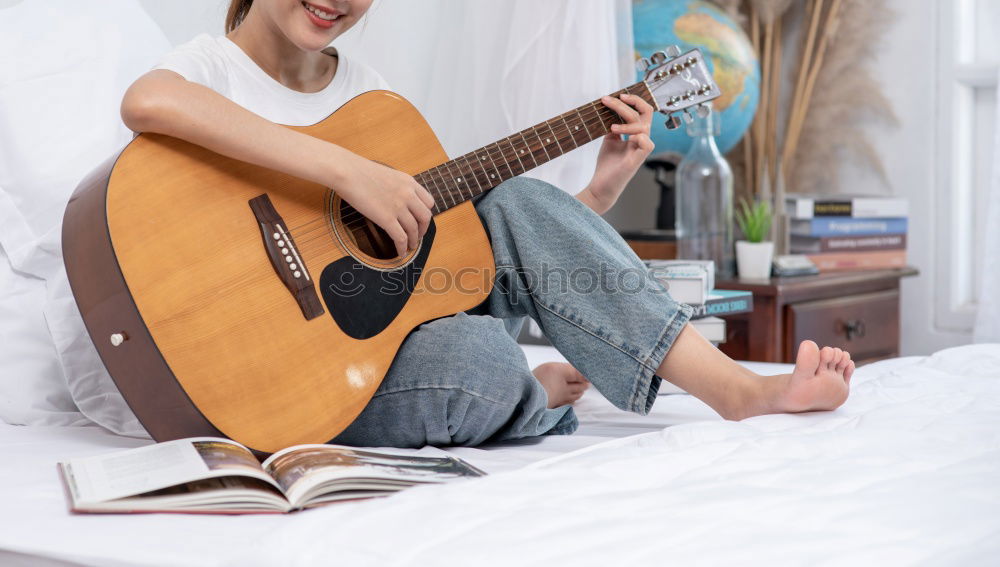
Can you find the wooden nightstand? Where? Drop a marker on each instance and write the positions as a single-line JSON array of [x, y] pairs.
[[856, 311]]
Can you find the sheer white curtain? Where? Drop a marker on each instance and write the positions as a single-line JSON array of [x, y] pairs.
[[480, 70], [988, 316]]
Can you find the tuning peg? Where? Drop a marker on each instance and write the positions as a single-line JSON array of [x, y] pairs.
[[658, 57], [672, 122], [642, 64], [688, 116], [673, 51], [703, 111]]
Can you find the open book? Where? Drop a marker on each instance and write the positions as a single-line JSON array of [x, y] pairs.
[[211, 475]]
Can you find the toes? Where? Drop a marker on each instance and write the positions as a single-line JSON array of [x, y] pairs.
[[848, 372], [808, 357], [840, 362], [825, 356]]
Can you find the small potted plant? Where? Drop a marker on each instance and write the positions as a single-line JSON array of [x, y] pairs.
[[753, 255]]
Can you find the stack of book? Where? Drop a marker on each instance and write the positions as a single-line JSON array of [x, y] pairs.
[[693, 282], [841, 233]]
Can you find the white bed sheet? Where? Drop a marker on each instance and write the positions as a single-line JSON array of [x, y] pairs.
[[907, 472]]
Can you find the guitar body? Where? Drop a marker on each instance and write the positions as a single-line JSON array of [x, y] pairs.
[[170, 267]]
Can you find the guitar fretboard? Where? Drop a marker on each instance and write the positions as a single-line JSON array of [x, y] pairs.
[[476, 172]]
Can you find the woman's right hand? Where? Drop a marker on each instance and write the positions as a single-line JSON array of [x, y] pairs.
[[391, 199]]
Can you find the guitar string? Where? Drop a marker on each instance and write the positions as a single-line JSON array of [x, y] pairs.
[[354, 219], [599, 109], [597, 115]]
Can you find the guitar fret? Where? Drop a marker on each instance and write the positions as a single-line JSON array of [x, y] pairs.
[[445, 184], [503, 157], [527, 148], [425, 182], [541, 143], [589, 135], [457, 178], [446, 174], [564, 133], [600, 117], [482, 172], [499, 176], [467, 171], [511, 144], [602, 112], [556, 136], [569, 132]]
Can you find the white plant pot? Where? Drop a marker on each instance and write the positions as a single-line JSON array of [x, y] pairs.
[[753, 259]]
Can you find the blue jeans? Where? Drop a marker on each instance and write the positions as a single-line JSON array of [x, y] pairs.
[[463, 380]]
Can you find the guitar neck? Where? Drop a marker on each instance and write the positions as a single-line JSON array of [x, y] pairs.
[[463, 178]]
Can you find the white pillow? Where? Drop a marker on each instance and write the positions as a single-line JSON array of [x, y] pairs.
[[65, 68], [32, 389]]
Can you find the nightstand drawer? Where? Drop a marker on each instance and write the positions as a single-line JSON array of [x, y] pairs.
[[865, 325]]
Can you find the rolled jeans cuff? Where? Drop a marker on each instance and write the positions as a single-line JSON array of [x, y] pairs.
[[647, 384]]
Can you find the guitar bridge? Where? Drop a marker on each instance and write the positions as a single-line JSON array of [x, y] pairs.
[[285, 258]]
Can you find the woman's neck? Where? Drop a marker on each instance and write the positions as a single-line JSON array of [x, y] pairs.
[[285, 62]]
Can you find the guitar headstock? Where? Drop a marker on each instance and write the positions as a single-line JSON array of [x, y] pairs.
[[679, 82]]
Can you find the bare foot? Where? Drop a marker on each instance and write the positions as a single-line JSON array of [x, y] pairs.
[[563, 383], [821, 381]]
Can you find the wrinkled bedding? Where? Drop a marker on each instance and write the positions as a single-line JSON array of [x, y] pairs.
[[907, 472]]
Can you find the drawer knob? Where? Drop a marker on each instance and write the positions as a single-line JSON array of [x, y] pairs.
[[854, 328]]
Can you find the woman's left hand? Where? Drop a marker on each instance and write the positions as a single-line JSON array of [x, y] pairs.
[[620, 158]]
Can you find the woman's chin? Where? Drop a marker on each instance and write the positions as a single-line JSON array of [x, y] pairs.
[[310, 40]]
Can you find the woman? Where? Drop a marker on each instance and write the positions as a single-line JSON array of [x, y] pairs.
[[463, 379]]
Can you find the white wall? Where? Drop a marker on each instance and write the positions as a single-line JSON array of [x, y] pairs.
[[181, 20]]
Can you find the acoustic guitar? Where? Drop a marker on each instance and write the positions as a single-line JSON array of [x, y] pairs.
[[226, 299]]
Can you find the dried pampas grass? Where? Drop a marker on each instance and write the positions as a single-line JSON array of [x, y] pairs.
[[830, 95], [846, 97]]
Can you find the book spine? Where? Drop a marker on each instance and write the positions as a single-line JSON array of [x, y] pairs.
[[723, 306], [843, 261], [848, 244], [858, 207], [845, 226]]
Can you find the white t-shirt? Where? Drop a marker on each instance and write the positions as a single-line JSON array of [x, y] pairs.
[[220, 64]]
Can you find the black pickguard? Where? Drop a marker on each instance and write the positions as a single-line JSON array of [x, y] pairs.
[[364, 301]]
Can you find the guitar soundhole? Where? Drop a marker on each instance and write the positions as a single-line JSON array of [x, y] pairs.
[[366, 235]]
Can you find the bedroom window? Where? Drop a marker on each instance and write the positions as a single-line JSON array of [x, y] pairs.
[[967, 67]]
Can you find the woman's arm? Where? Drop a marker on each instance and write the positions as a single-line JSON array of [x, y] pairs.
[[620, 158], [163, 102]]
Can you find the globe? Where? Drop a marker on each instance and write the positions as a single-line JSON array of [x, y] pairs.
[[688, 24]]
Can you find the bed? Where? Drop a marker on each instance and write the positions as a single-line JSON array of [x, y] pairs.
[[906, 472]]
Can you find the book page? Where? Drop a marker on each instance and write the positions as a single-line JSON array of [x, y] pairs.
[[302, 468], [158, 466]]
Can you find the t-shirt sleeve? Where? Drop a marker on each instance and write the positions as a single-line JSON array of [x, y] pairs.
[[199, 61]]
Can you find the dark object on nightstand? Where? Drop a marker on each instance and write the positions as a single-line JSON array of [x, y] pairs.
[[664, 167], [855, 311], [659, 243], [790, 265]]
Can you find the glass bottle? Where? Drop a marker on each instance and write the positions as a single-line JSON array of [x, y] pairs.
[[705, 200]]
